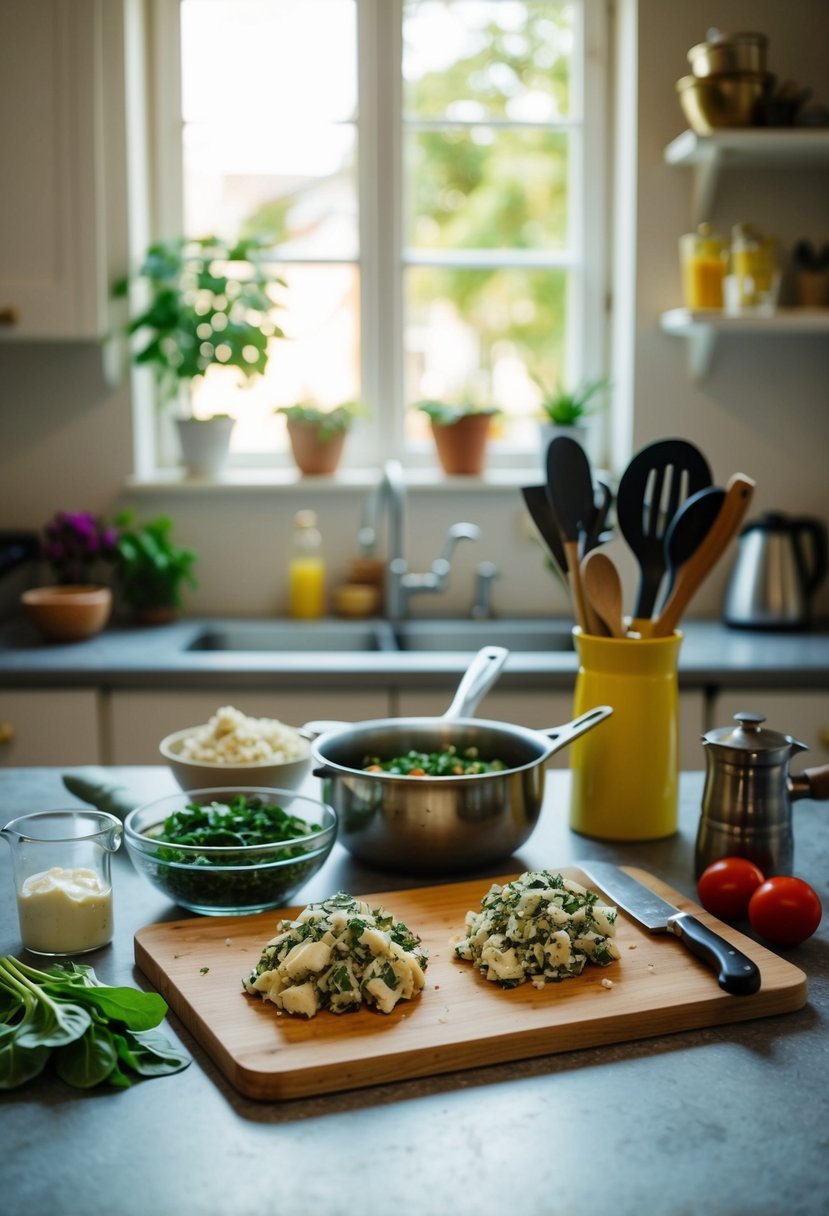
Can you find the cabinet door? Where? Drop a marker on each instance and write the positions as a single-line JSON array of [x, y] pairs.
[[52, 276], [139, 720], [804, 715], [543, 710], [49, 727]]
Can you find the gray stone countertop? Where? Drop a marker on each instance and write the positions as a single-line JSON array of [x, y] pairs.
[[726, 1121], [124, 657]]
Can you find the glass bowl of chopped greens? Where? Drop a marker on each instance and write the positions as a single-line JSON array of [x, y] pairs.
[[226, 852]]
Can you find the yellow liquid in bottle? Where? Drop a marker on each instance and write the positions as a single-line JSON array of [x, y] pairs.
[[307, 587]]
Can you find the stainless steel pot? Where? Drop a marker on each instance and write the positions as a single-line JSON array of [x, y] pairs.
[[440, 825]]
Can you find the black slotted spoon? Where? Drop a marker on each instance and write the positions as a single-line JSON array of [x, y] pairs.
[[657, 481]]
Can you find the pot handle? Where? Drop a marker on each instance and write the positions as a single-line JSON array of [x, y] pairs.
[[560, 736], [812, 783], [312, 730], [477, 680]]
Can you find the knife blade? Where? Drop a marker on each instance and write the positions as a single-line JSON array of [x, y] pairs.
[[736, 973]]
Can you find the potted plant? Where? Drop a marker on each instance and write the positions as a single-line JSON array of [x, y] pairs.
[[79, 547], [210, 304], [461, 434], [317, 435], [564, 411], [151, 569]]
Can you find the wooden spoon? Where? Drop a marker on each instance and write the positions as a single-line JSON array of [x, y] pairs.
[[603, 590]]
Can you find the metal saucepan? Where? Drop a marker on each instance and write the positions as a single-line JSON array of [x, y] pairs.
[[440, 825]]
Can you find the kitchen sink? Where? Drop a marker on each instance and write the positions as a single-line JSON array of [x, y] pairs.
[[435, 635], [338, 636], [515, 634]]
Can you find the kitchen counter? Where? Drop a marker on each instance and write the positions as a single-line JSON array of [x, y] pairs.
[[724, 1121], [123, 657]]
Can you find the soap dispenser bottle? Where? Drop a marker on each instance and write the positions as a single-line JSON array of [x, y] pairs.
[[306, 570]]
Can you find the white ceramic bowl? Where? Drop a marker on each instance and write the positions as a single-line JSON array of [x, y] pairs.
[[200, 774]]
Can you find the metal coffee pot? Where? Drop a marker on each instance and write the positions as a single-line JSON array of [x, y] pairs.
[[748, 795]]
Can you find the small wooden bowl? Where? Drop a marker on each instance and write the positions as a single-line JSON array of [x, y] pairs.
[[68, 614]]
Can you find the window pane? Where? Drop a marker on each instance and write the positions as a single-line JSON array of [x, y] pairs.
[[475, 59], [318, 358], [484, 188], [245, 63], [297, 188], [481, 336]]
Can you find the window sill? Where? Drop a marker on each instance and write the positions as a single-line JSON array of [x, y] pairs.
[[255, 481]]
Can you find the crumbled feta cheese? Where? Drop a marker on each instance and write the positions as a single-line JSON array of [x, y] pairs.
[[230, 737], [337, 955], [540, 927]]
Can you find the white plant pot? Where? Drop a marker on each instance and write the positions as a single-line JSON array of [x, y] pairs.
[[204, 443], [548, 431]]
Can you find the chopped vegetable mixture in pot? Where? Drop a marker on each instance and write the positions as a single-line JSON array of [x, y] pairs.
[[449, 762]]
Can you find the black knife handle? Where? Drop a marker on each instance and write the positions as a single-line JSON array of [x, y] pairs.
[[736, 973]]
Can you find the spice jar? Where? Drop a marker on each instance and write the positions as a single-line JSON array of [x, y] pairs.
[[753, 280], [703, 256]]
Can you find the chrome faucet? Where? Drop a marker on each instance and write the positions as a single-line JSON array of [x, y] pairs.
[[400, 582]]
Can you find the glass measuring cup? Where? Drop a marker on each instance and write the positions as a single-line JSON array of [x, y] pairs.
[[61, 869]]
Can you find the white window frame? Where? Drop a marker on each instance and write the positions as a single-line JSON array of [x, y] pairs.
[[382, 258]]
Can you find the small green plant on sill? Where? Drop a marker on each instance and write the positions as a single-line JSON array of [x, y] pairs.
[[151, 568], [568, 408], [210, 304], [328, 422], [442, 413]]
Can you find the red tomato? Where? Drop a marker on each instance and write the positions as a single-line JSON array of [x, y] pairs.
[[785, 911], [727, 885]]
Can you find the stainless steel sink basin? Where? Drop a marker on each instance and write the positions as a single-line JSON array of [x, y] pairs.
[[337, 636], [516, 634], [440, 635]]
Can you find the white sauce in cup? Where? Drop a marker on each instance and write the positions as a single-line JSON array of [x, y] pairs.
[[65, 911]]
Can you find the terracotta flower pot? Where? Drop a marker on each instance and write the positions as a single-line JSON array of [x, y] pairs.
[[313, 455], [461, 446], [68, 614]]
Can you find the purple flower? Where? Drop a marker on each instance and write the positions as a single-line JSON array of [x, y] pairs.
[[76, 542]]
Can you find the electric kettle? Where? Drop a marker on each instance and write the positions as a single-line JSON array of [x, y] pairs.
[[781, 561]]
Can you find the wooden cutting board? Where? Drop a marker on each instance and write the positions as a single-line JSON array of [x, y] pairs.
[[460, 1020]]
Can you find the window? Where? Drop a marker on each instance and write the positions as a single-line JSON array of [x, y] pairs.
[[430, 172]]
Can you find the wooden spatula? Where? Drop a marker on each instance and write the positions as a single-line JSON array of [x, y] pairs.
[[738, 495]]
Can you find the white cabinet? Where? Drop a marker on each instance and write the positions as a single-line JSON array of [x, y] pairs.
[[49, 727], [804, 715], [55, 61], [543, 710], [138, 720]]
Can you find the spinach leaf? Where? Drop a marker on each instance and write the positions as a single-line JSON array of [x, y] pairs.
[[137, 1010], [92, 1029], [20, 1064], [149, 1053], [89, 1060]]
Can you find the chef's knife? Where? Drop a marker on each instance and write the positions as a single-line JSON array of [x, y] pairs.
[[736, 973]]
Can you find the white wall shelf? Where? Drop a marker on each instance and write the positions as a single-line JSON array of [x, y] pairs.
[[755, 147], [703, 327]]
